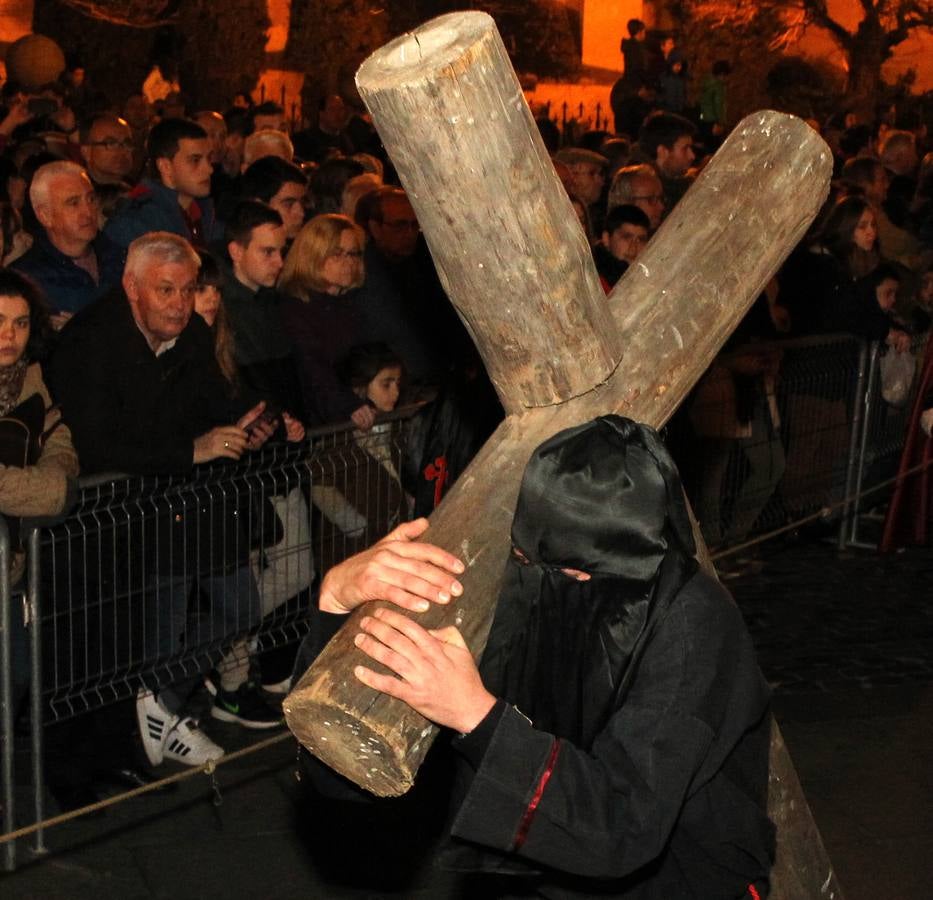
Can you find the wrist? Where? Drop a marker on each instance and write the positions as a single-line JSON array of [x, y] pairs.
[[327, 598], [329, 604], [477, 713]]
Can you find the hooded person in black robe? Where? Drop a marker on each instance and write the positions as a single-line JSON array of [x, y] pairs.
[[614, 741]]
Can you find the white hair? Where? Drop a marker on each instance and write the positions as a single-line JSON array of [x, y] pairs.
[[159, 246], [267, 142], [40, 188], [622, 189], [896, 143]]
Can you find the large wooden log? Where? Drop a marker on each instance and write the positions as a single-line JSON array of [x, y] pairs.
[[502, 232], [445, 101]]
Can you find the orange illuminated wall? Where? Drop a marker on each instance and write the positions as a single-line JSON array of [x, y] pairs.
[[15, 19], [603, 30], [279, 17]]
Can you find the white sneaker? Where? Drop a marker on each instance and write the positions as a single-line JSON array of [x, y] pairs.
[[155, 722], [279, 687], [187, 744]]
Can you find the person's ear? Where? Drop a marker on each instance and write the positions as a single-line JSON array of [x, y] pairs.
[[235, 249], [130, 286], [43, 215], [166, 171]]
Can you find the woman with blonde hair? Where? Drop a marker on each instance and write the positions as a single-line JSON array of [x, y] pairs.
[[321, 276]]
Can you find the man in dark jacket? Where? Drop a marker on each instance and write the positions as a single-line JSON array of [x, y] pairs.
[[176, 196], [70, 260], [107, 150], [614, 740], [255, 239], [138, 382]]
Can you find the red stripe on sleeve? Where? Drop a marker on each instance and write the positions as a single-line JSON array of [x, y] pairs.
[[522, 834]]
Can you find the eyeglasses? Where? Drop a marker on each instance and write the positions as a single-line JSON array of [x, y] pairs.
[[112, 144], [650, 198], [340, 253]]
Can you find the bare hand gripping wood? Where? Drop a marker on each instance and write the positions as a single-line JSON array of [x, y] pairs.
[[516, 265]]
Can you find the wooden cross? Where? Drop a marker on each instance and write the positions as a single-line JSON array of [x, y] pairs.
[[516, 264]]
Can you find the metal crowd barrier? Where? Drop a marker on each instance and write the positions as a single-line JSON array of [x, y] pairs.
[[779, 432], [151, 582], [6, 695], [226, 558], [880, 442]]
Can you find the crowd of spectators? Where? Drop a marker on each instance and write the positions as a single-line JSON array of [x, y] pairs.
[[212, 280]]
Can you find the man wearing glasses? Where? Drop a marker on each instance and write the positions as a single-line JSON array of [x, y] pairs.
[[639, 186], [404, 304], [107, 150]]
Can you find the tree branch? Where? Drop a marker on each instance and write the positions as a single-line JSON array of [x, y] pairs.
[[818, 13], [909, 16], [133, 14]]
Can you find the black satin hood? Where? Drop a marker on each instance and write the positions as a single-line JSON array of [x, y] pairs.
[[604, 498]]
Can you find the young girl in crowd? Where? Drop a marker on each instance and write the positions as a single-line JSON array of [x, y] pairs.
[[363, 497], [374, 373], [829, 288], [826, 286], [208, 304]]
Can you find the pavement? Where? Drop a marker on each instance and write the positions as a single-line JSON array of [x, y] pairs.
[[845, 640]]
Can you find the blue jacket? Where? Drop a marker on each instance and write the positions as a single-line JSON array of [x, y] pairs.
[[67, 286], [151, 206]]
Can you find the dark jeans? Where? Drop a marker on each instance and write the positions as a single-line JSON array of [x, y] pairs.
[[196, 627]]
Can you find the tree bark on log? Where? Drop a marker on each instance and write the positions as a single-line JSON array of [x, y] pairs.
[[502, 231], [446, 104]]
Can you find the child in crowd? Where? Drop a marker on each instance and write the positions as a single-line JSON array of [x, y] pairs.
[[624, 236], [365, 502], [374, 373]]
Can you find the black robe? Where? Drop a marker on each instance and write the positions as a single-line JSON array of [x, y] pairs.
[[670, 800], [641, 770]]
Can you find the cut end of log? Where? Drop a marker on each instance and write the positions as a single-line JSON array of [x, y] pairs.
[[440, 42], [349, 746]]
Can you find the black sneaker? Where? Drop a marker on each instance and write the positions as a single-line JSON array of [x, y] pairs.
[[245, 707]]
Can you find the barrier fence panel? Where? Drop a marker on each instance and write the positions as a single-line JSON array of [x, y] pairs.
[[768, 434], [150, 580], [777, 433], [887, 408], [6, 696], [148, 583]]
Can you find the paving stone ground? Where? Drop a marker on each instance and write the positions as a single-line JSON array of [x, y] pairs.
[[846, 642]]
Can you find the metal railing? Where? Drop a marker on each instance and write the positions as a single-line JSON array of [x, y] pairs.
[[779, 432], [6, 694], [881, 440], [151, 581]]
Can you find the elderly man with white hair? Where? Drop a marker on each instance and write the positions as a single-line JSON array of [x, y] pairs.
[[267, 142], [70, 260], [138, 382]]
